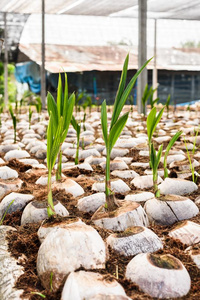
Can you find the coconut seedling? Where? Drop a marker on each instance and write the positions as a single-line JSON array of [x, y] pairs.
[[116, 126], [152, 122], [59, 121], [77, 127], [155, 160], [146, 94], [30, 116], [169, 146], [38, 294], [61, 112], [151, 100], [14, 119], [192, 168], [167, 104], [79, 97], [38, 105]]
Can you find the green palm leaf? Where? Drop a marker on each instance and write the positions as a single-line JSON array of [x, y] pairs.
[[49, 142], [152, 121], [52, 107], [122, 100], [56, 143], [59, 97], [116, 131], [68, 111], [104, 121], [120, 88]]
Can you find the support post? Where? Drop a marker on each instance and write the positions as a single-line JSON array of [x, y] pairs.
[[5, 60], [142, 51], [155, 73], [43, 79]]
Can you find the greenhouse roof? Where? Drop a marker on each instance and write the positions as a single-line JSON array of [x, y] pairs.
[[61, 58], [176, 9], [84, 43], [97, 30]]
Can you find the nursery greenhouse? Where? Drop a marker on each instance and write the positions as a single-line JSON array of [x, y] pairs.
[[99, 149]]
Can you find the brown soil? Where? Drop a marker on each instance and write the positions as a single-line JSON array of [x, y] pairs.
[[24, 243]]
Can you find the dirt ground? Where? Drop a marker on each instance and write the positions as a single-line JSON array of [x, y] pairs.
[[24, 242]]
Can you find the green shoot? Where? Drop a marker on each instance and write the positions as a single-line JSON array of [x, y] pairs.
[[16, 106], [79, 97], [62, 109], [117, 124], [130, 100], [77, 127], [155, 160], [51, 281], [192, 168], [20, 105], [153, 102], [38, 294], [167, 104], [89, 100], [84, 117], [152, 122], [82, 144], [38, 106], [30, 116], [169, 146], [146, 94], [195, 140], [2, 219], [14, 119], [60, 117]]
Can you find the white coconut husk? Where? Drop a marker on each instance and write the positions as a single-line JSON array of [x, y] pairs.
[[70, 186], [20, 201], [177, 186], [7, 173], [187, 233], [36, 211], [85, 285], [91, 203], [169, 209], [134, 240], [161, 276], [194, 252], [65, 250], [10, 269], [146, 181], [128, 214], [12, 185], [46, 227]]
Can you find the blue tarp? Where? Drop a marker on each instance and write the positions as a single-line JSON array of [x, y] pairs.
[[188, 103], [29, 72]]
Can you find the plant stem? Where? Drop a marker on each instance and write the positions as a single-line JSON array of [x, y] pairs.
[[107, 182], [110, 199], [190, 161], [59, 167], [15, 136], [165, 167], [77, 151], [155, 185], [50, 208]]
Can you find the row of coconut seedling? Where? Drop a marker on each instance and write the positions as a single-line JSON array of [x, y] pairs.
[[73, 244]]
